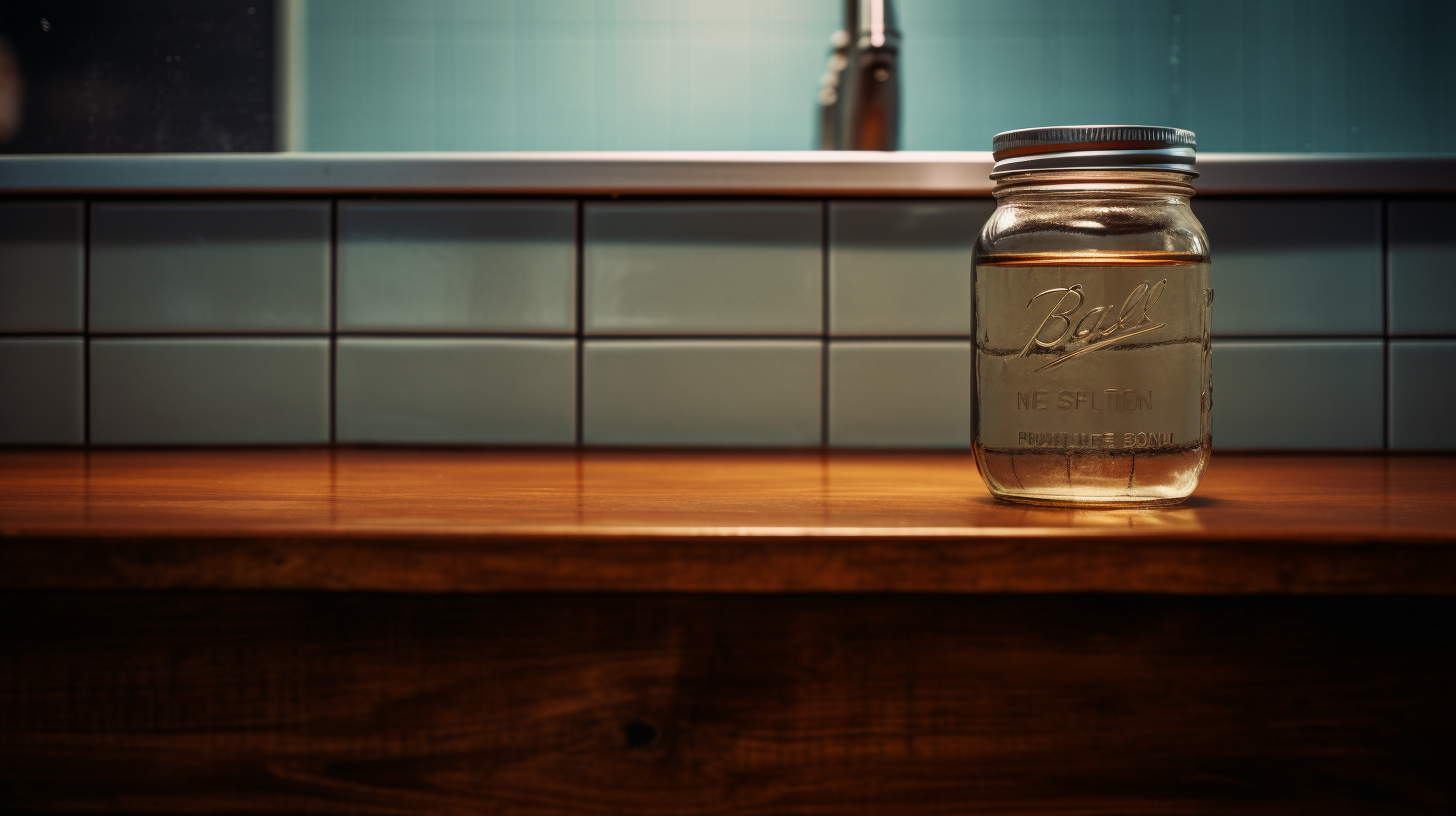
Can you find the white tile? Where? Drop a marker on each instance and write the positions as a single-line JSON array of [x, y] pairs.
[[465, 391], [41, 258], [41, 380], [701, 392], [210, 267], [710, 269], [1422, 392], [1295, 267], [902, 267], [457, 266], [1422, 267], [213, 391], [900, 394], [1297, 394]]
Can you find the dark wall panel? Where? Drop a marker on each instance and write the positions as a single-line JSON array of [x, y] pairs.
[[139, 76]]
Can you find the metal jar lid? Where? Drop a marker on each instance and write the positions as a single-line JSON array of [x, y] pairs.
[[1094, 147]]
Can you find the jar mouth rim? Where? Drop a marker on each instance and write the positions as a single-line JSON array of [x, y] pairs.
[[1132, 180], [1168, 159]]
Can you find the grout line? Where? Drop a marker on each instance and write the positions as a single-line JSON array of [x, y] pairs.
[[28, 335], [213, 335], [824, 324], [1385, 404], [425, 334], [899, 338], [1297, 338], [580, 320], [1385, 317], [747, 338], [333, 320], [86, 322]]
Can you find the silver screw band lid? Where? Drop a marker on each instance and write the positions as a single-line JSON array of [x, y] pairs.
[[1094, 147]]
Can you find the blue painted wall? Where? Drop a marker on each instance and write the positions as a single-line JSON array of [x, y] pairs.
[[1248, 76]]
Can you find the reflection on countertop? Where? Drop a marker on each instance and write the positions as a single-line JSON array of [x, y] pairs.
[[443, 519]]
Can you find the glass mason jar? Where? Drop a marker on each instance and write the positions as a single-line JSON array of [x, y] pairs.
[[1093, 378]]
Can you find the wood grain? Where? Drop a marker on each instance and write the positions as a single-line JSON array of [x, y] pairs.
[[718, 704], [464, 520]]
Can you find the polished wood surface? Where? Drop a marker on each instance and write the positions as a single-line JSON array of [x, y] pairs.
[[367, 703], [716, 632], [463, 520]]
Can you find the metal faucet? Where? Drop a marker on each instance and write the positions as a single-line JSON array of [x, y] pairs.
[[859, 93]]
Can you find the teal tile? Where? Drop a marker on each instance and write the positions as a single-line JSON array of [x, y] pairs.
[[701, 392], [457, 266], [1295, 267], [456, 391], [914, 394], [210, 267], [902, 267], [214, 391], [711, 269], [1298, 394], [1422, 391], [41, 378], [41, 257], [1422, 267]]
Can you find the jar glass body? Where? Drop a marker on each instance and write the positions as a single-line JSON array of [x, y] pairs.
[[1093, 367]]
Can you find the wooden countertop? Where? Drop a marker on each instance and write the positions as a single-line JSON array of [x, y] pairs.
[[486, 521]]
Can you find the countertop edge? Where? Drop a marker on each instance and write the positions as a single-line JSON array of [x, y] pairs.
[[768, 173], [408, 562]]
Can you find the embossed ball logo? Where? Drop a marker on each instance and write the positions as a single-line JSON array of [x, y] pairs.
[[1091, 330]]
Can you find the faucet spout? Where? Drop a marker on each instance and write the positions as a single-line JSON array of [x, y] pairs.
[[859, 93]]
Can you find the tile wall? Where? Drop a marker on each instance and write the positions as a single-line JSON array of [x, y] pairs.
[[1342, 76], [691, 323]]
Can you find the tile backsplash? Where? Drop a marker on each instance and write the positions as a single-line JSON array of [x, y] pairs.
[[210, 267], [1297, 394], [43, 383], [913, 394], [899, 268], [1422, 265], [42, 266], [1422, 390], [234, 390], [689, 268], [468, 390], [420, 266], [1295, 267], [692, 322], [701, 392]]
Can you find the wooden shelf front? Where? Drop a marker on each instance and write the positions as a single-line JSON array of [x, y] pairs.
[[523, 521], [716, 633]]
